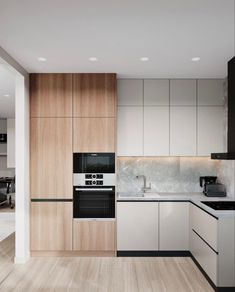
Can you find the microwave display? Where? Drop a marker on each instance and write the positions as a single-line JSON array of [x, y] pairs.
[[93, 163]]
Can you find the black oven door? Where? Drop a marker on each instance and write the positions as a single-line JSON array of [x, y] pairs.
[[93, 163], [97, 202]]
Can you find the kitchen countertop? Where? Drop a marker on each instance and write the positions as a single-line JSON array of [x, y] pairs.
[[195, 198]]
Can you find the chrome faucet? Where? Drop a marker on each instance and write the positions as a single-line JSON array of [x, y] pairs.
[[144, 188]]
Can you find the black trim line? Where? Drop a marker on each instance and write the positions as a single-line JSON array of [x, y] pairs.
[[159, 253], [204, 273], [51, 200], [204, 210], [205, 241]]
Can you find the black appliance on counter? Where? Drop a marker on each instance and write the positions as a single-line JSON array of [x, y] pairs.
[[211, 188], [220, 205], [94, 182]]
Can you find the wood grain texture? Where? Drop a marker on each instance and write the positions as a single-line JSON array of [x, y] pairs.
[[102, 274], [51, 95], [94, 134], [51, 157], [94, 235], [51, 226], [94, 95]]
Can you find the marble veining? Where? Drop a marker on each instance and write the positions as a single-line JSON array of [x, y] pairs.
[[166, 174]]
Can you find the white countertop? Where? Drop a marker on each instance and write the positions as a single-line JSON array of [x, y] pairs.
[[195, 198]]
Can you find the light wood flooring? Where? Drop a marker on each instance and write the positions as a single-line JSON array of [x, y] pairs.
[[99, 274]]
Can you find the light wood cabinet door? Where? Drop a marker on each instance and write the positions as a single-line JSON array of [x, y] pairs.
[[51, 226], [156, 131], [183, 92], [183, 131], [210, 92], [94, 95], [174, 226], [51, 95], [51, 157], [130, 92], [130, 131], [137, 226], [211, 130], [94, 235], [94, 135]]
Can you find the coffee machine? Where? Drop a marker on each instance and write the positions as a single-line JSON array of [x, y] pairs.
[[211, 188]]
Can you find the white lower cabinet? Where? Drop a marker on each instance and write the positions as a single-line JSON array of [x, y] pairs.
[[174, 226], [205, 256], [137, 226]]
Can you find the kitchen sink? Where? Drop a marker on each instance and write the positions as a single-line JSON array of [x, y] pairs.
[[220, 205]]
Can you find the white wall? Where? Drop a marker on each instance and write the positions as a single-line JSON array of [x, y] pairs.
[[22, 157]]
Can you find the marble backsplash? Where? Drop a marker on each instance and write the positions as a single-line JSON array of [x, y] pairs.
[[166, 174]]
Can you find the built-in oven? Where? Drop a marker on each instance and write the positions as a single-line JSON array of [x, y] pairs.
[[94, 202], [94, 163]]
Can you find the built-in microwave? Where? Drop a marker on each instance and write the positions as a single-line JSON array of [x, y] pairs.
[[93, 163]]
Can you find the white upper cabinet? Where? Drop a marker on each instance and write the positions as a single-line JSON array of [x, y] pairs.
[[183, 131], [130, 92], [183, 92], [130, 131], [156, 131], [211, 130], [210, 92], [156, 92]]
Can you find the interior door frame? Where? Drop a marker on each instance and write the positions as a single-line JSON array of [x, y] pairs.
[[22, 197]]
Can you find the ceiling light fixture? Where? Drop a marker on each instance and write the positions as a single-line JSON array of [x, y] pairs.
[[42, 59], [196, 59], [6, 95], [144, 59], [93, 59]]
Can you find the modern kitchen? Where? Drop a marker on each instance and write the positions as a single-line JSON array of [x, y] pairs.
[[131, 169]]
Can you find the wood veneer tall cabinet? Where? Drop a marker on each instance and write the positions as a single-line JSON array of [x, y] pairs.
[[69, 113]]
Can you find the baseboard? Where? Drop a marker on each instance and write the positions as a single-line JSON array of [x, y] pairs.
[[159, 253], [21, 260], [73, 253]]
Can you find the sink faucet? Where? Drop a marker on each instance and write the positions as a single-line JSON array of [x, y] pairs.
[[144, 188]]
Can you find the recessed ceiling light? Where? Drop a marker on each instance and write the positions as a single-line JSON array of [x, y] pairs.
[[144, 59], [42, 59], [93, 59], [196, 59], [6, 95]]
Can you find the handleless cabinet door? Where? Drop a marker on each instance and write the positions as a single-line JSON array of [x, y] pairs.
[[51, 157], [183, 92], [211, 130], [94, 135], [51, 226], [137, 226], [174, 226], [183, 131], [130, 92], [156, 131], [51, 95], [130, 131], [94, 95], [156, 92], [210, 92]]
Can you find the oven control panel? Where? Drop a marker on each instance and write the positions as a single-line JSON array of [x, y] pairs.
[[94, 179]]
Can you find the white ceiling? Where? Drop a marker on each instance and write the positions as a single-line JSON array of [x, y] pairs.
[[169, 32], [7, 86]]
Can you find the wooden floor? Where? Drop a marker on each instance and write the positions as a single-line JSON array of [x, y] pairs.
[[99, 274]]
